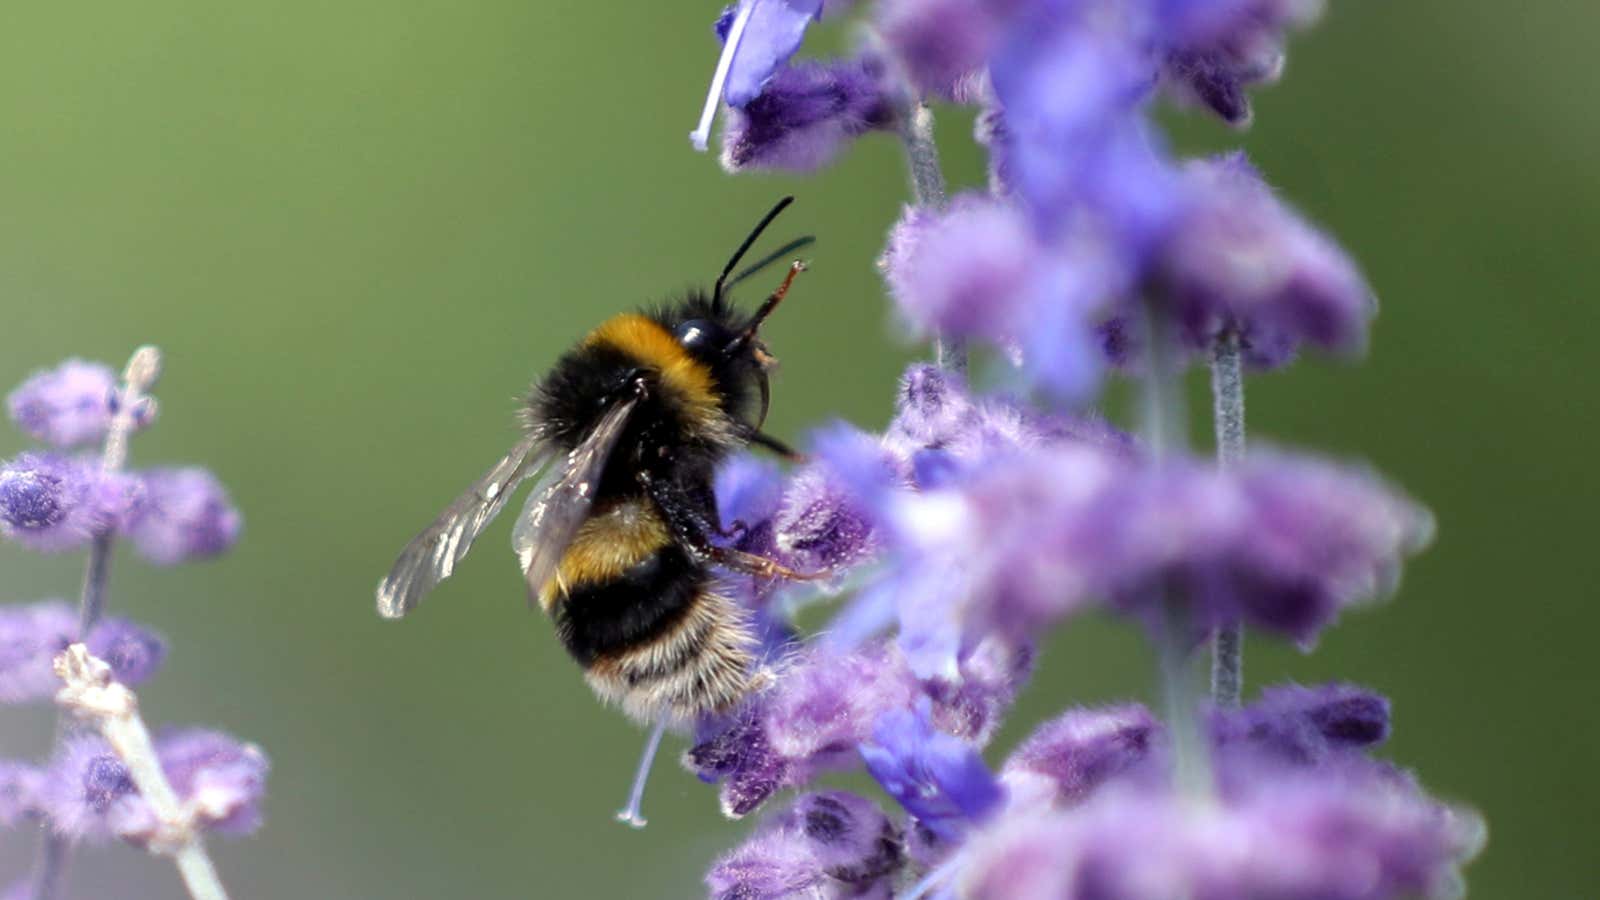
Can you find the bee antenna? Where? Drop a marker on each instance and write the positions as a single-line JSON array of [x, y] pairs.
[[770, 258], [755, 234]]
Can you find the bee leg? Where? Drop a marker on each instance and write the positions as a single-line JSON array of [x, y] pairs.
[[768, 442], [692, 531], [757, 565]]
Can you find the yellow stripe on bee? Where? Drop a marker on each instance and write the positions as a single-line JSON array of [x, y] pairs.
[[654, 347], [608, 544]]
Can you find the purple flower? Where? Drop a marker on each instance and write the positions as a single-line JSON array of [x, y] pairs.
[[770, 36], [821, 525], [1072, 78], [806, 113], [31, 636], [758, 38], [940, 779], [832, 844], [90, 795], [1215, 49], [942, 43], [1280, 542], [21, 786], [962, 270], [1242, 259], [134, 653], [65, 406], [1290, 836], [222, 779], [824, 703], [1068, 758], [85, 783], [1301, 725], [185, 515], [48, 502]]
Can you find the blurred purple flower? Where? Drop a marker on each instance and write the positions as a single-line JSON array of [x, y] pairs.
[[89, 794], [48, 502], [963, 270], [938, 778], [1072, 78], [21, 787], [1282, 543], [943, 44], [1066, 759], [1243, 260], [1331, 836], [975, 270], [1301, 725], [85, 782], [806, 113], [220, 778], [65, 406], [827, 845], [31, 635], [1214, 50], [185, 515]]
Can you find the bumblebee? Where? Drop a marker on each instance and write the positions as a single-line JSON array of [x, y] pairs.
[[616, 538]]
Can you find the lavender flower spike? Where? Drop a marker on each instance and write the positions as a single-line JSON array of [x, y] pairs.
[[92, 695]]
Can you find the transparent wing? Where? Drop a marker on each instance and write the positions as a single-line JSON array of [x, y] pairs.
[[556, 510], [432, 555]]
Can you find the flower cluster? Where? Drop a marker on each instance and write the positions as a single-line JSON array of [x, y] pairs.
[[58, 500], [979, 521]]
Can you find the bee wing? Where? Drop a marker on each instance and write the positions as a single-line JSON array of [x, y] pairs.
[[556, 509], [432, 555]]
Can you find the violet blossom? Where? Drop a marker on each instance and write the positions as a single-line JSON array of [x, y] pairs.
[[32, 634], [806, 112], [49, 502], [832, 844], [1214, 50], [65, 406], [89, 791], [186, 515], [1291, 836], [980, 519], [825, 703], [89, 794]]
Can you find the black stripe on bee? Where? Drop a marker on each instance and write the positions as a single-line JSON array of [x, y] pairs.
[[640, 606]]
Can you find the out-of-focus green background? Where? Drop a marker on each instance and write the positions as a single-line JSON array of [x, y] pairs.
[[359, 229]]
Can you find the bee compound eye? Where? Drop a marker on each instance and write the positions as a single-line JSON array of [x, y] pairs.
[[697, 334]]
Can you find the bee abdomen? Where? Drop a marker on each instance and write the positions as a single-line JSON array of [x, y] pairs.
[[658, 639], [700, 666]]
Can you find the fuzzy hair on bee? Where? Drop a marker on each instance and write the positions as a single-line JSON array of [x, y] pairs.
[[617, 540]]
